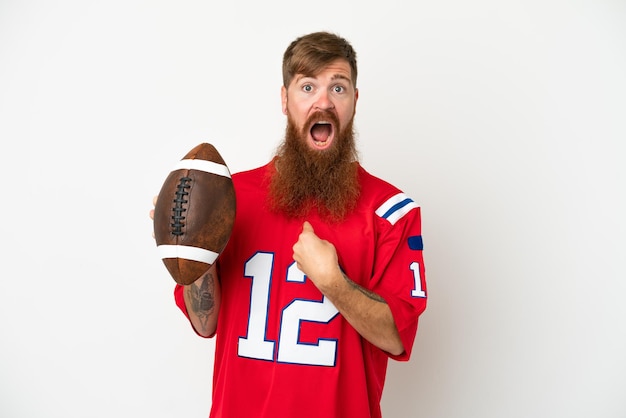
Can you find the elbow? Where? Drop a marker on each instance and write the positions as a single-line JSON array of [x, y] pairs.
[[205, 325], [394, 344], [396, 349], [390, 344], [205, 332]]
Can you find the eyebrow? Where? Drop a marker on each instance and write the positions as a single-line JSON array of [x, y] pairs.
[[341, 77], [333, 78]]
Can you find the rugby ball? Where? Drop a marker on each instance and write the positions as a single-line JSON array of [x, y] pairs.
[[194, 214]]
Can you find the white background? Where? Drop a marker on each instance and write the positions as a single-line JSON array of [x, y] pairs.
[[505, 120]]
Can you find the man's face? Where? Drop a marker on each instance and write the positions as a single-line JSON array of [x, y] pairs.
[[321, 105], [317, 162]]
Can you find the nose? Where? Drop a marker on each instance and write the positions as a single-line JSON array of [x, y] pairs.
[[323, 101]]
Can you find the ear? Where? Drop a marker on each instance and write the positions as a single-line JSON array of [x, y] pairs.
[[356, 99], [283, 99]]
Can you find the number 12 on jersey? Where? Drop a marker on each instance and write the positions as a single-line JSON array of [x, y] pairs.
[[290, 349]]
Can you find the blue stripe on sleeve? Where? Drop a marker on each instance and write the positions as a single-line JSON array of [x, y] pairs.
[[396, 207]]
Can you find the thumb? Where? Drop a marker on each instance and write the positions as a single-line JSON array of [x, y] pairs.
[[307, 227]]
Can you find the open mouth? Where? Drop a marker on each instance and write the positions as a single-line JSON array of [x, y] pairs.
[[322, 133]]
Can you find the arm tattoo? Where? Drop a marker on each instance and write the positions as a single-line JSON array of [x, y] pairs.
[[201, 297], [363, 290]]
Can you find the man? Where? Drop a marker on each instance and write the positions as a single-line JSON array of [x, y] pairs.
[[323, 279]]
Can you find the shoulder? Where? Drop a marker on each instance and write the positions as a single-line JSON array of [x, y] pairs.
[[386, 200], [370, 182], [252, 185], [253, 177], [252, 173]]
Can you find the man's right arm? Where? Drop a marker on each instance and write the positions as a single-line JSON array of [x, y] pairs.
[[202, 300]]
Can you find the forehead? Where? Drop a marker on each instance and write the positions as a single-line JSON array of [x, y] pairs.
[[335, 70]]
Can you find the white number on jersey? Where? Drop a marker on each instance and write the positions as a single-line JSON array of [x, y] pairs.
[[290, 349], [417, 292]]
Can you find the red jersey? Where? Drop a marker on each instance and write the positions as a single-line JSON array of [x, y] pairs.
[[282, 349]]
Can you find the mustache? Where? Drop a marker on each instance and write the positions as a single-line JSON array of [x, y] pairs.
[[322, 115]]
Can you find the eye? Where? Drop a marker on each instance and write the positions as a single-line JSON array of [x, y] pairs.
[[307, 88], [338, 89]]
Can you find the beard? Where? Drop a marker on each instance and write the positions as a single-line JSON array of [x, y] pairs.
[[307, 179]]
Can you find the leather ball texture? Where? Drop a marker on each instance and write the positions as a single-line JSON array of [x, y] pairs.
[[194, 214]]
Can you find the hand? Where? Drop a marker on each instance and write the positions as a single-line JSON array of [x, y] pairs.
[[154, 200], [151, 214], [317, 258]]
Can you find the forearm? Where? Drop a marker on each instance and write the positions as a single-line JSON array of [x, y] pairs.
[[202, 299], [367, 312]]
